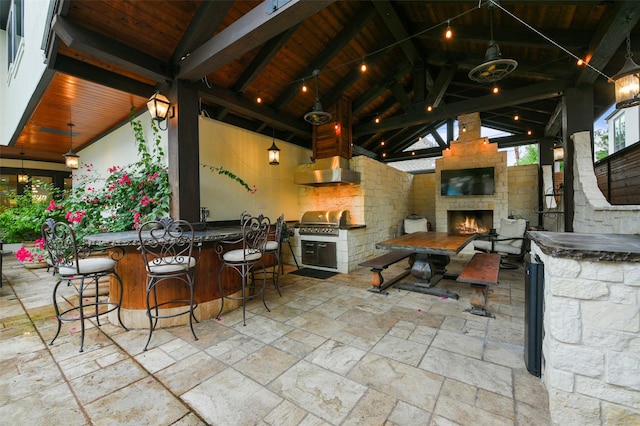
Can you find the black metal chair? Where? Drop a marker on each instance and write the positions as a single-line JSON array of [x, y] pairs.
[[74, 267], [167, 252], [274, 248], [508, 241], [244, 257]]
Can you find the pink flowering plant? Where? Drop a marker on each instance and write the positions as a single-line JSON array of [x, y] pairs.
[[125, 198], [35, 254]]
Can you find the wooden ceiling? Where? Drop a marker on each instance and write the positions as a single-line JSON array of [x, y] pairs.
[[107, 56]]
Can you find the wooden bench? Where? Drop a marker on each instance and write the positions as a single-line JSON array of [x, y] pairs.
[[481, 271], [380, 263]]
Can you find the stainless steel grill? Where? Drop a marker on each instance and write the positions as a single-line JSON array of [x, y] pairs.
[[323, 222]]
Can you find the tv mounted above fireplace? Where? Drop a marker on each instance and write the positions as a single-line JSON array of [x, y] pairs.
[[457, 182]]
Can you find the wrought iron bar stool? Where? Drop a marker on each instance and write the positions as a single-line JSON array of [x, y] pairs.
[[167, 251], [274, 248], [74, 267], [245, 260]]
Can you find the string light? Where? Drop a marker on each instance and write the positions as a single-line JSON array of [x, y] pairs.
[[429, 108], [259, 99], [449, 32], [305, 89], [516, 117], [580, 62], [377, 119], [495, 90], [382, 143], [363, 66], [529, 132]]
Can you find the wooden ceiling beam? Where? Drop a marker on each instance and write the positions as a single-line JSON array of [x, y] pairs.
[[392, 20], [401, 96], [554, 125], [364, 100], [609, 35], [202, 27], [573, 40], [323, 58], [443, 80], [248, 32], [525, 94], [108, 50], [231, 100], [101, 76]]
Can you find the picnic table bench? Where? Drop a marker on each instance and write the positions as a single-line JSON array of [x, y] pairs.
[[382, 262], [481, 271]]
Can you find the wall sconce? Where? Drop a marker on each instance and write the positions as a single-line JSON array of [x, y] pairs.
[[627, 81], [558, 153], [22, 176], [274, 151], [71, 159], [158, 106]]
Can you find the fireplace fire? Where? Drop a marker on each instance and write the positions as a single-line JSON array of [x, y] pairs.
[[470, 222]]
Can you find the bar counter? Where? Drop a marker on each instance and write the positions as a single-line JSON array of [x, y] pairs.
[[132, 270]]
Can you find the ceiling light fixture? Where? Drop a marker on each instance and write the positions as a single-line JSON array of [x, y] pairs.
[[363, 66], [71, 159], [493, 68], [317, 116], [449, 32], [274, 151], [158, 106], [304, 86], [627, 80], [516, 117], [23, 177]]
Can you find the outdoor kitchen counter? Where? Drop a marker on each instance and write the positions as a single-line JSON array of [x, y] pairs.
[[132, 270], [594, 247]]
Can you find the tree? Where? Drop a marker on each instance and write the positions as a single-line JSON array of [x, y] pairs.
[[600, 143], [530, 155]]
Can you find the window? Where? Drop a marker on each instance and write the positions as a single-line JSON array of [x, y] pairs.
[[15, 33], [619, 133]]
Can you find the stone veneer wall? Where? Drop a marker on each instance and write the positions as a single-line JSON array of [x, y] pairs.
[[523, 192], [423, 196], [471, 154], [592, 211], [381, 201], [591, 342]]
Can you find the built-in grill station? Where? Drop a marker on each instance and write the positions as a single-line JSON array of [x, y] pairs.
[[321, 223]]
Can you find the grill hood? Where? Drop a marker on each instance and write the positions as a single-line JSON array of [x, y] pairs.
[[328, 171]]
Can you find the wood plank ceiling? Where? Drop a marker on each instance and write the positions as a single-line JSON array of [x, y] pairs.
[[107, 56]]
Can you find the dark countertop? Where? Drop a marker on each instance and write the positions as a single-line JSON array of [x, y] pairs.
[[130, 238], [598, 247]]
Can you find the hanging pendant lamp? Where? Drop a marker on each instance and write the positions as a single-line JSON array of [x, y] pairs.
[[627, 80], [494, 67], [23, 177], [317, 116], [71, 159]]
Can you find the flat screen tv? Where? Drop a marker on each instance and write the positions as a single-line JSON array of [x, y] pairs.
[[459, 182]]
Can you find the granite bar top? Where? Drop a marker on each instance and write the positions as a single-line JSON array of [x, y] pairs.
[[593, 247], [130, 238]]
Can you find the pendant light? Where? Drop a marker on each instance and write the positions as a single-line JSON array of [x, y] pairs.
[[627, 80], [159, 107], [317, 116], [23, 177], [71, 159], [274, 151], [494, 67]]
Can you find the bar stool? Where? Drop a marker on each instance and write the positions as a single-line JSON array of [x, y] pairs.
[[72, 266], [245, 260], [274, 248], [167, 252]]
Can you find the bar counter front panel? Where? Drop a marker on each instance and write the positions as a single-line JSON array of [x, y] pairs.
[[132, 270]]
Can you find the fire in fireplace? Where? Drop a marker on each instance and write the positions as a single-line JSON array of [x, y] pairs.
[[469, 221]]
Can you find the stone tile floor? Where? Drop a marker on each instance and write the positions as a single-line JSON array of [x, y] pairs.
[[328, 353]]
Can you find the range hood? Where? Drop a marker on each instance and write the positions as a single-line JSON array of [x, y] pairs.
[[328, 171]]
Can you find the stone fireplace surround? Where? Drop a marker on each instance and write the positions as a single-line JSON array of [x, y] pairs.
[[469, 152]]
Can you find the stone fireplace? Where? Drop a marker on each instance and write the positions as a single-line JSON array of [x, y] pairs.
[[469, 221], [467, 152]]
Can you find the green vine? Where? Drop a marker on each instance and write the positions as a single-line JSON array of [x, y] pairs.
[[222, 171]]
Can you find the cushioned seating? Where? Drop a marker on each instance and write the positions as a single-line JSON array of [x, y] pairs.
[[74, 267], [509, 239], [245, 261], [415, 224], [167, 246]]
